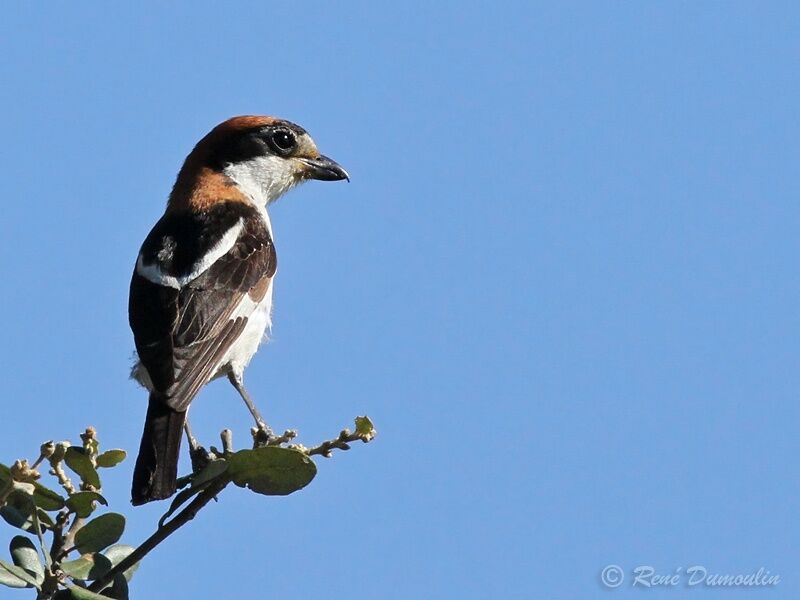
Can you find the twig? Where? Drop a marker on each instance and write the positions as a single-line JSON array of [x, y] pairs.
[[57, 547], [227, 441], [56, 460], [340, 443], [69, 539], [46, 450], [183, 517], [285, 438]]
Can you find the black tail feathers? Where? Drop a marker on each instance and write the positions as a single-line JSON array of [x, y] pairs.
[[156, 471]]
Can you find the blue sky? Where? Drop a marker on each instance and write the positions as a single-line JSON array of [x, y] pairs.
[[562, 282]]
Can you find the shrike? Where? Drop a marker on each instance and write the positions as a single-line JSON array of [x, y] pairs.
[[201, 292]]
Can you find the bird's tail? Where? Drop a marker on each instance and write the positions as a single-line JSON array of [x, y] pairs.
[[156, 471]]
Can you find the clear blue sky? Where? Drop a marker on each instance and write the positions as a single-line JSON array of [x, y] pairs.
[[563, 282]]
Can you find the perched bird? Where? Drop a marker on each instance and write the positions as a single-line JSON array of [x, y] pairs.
[[201, 292]]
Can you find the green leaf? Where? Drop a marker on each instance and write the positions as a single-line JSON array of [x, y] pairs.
[[83, 503], [15, 518], [5, 473], [119, 552], [80, 567], [100, 533], [46, 498], [8, 577], [19, 573], [24, 519], [21, 500], [93, 566], [364, 427], [45, 520], [25, 556], [211, 471], [78, 593], [87, 567], [272, 470], [79, 461], [111, 458], [18, 510]]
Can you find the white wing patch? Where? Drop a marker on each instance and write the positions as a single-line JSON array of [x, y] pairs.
[[152, 271]]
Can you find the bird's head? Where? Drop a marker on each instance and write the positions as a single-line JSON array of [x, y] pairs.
[[263, 156]]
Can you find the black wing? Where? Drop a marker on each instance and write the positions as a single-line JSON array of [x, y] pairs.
[[182, 333]]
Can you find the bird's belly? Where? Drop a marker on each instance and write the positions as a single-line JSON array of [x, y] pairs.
[[245, 346]]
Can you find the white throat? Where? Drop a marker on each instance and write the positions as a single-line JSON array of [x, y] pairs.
[[264, 178]]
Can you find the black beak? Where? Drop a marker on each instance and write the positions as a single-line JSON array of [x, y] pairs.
[[324, 169]]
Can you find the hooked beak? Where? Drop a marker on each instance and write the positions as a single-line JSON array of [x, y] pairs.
[[324, 169]]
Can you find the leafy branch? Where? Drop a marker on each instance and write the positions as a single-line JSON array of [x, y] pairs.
[[272, 467]]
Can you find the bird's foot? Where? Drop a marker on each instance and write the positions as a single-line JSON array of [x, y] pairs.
[[262, 435], [200, 458]]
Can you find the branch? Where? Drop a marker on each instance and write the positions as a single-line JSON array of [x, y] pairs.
[[364, 432], [163, 532]]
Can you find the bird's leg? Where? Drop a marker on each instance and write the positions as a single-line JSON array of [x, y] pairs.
[[263, 433], [193, 443], [197, 453]]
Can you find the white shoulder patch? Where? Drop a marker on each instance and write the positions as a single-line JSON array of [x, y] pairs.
[[152, 271]]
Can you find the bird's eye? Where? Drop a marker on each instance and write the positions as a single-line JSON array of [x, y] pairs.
[[283, 140]]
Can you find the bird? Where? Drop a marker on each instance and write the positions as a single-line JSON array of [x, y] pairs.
[[200, 297]]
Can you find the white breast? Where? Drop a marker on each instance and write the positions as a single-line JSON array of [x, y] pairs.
[[259, 320]]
